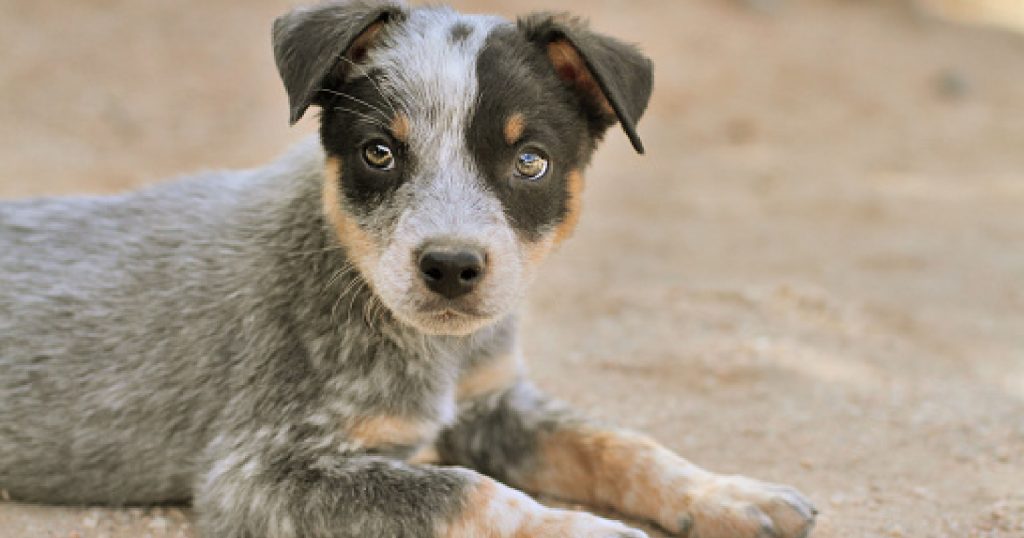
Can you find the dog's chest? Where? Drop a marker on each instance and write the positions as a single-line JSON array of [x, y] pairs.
[[393, 392], [390, 404]]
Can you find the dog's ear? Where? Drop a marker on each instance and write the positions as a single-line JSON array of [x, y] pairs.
[[312, 44], [612, 78]]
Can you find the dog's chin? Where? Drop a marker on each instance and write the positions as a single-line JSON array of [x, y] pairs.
[[446, 322]]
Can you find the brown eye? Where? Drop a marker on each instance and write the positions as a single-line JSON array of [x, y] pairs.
[[379, 155], [531, 166]]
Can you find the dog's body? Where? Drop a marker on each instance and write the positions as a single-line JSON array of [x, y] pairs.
[[289, 347]]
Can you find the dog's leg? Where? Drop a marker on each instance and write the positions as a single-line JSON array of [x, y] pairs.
[[253, 491], [508, 430]]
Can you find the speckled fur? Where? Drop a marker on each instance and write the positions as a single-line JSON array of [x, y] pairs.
[[212, 339]]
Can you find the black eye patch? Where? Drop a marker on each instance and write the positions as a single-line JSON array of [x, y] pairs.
[[522, 108], [357, 126]]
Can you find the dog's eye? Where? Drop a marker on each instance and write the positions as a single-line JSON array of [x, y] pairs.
[[379, 156], [530, 165]]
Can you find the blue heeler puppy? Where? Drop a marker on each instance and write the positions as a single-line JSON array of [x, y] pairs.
[[294, 349]]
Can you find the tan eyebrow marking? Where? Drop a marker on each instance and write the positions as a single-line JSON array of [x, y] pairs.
[[400, 127], [514, 128]]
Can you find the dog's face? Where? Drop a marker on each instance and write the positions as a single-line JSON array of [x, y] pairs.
[[455, 144]]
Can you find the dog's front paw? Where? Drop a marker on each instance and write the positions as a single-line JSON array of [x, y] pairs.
[[495, 510], [572, 524], [740, 507]]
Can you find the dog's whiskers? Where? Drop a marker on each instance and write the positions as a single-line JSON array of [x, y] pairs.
[[347, 270], [367, 117], [364, 73], [339, 274], [373, 311], [350, 289], [356, 99], [299, 253]]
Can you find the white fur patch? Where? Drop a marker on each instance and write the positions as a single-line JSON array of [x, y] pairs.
[[432, 80]]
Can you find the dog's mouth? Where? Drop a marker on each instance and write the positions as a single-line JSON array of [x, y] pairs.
[[451, 318], [453, 313]]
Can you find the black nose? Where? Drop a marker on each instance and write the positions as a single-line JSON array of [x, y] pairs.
[[451, 271]]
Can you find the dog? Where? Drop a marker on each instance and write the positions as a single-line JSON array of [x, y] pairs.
[[327, 346]]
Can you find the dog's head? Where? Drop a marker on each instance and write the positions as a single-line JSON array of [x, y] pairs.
[[455, 144]]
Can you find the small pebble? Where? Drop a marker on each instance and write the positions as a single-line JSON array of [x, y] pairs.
[[952, 84]]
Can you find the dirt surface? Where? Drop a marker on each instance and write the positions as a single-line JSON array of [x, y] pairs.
[[814, 277]]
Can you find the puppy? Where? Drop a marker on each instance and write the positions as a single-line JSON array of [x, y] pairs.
[[293, 348]]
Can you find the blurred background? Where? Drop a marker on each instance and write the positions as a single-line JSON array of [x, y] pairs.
[[815, 276]]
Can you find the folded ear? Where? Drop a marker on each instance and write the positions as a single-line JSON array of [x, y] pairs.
[[310, 42], [612, 78]]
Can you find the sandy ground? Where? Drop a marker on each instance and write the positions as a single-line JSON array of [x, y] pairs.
[[815, 277]]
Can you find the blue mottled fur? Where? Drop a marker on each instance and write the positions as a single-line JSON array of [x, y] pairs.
[[213, 340]]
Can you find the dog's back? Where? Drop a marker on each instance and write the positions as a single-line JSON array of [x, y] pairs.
[[100, 298]]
